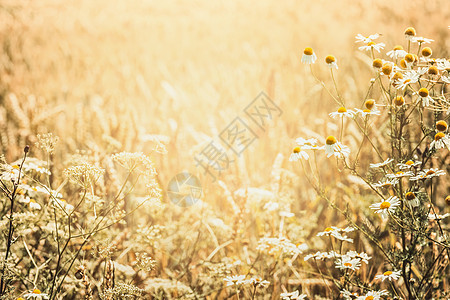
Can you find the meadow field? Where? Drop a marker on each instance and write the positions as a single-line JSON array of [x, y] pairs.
[[224, 150]]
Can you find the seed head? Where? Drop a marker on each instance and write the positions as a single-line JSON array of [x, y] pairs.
[[397, 76], [331, 140], [377, 63], [308, 51], [399, 100], [441, 125], [410, 196], [403, 64], [369, 103], [426, 51], [439, 136], [410, 31], [398, 47], [423, 92]]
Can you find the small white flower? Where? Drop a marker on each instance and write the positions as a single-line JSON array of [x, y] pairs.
[[360, 38], [298, 154], [342, 112], [386, 183], [389, 275], [421, 40], [441, 140], [333, 147], [432, 216], [386, 206], [442, 64], [397, 52], [36, 294], [427, 174], [382, 164], [292, 296], [409, 77], [400, 174], [368, 112], [346, 262], [373, 295], [309, 57], [235, 280], [372, 45], [258, 282], [409, 164]]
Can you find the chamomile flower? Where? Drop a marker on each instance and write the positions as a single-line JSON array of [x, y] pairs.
[[421, 40], [331, 62], [342, 112], [400, 174], [389, 275], [373, 295], [409, 77], [386, 183], [362, 256], [333, 147], [36, 294], [368, 112], [386, 206], [308, 144], [397, 52], [61, 203], [309, 57], [292, 296], [297, 154], [432, 216], [235, 280], [360, 38], [318, 255], [347, 262], [347, 295], [441, 140], [409, 164], [336, 233], [382, 164], [424, 96], [371, 45], [410, 33], [258, 282], [31, 202], [428, 174], [442, 64], [411, 199]]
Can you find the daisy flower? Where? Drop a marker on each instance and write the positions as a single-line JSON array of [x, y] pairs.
[[362, 256], [373, 295], [385, 184], [342, 112], [292, 296], [424, 96], [347, 295], [308, 144], [346, 262], [389, 275], [368, 112], [333, 147], [318, 255], [235, 280], [400, 174], [441, 140], [386, 206], [36, 294], [382, 164], [397, 52], [409, 164], [421, 40], [297, 154], [336, 233], [30, 201], [258, 282], [309, 57], [411, 199], [427, 174], [331, 62], [410, 33], [432, 216], [360, 38], [409, 77], [442, 64], [372, 45]]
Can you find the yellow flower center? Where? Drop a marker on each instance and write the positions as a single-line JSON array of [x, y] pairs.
[[447, 200], [399, 101], [423, 92], [397, 76], [330, 59], [398, 47], [366, 110], [410, 31], [399, 173], [369, 103], [296, 150], [403, 64], [430, 172], [32, 201], [426, 51], [409, 163], [410, 196], [386, 69], [439, 136], [441, 125], [370, 44], [308, 51], [16, 167], [36, 291], [347, 264], [369, 298], [409, 58], [385, 205], [342, 110], [433, 70], [328, 229], [377, 63], [331, 140]]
